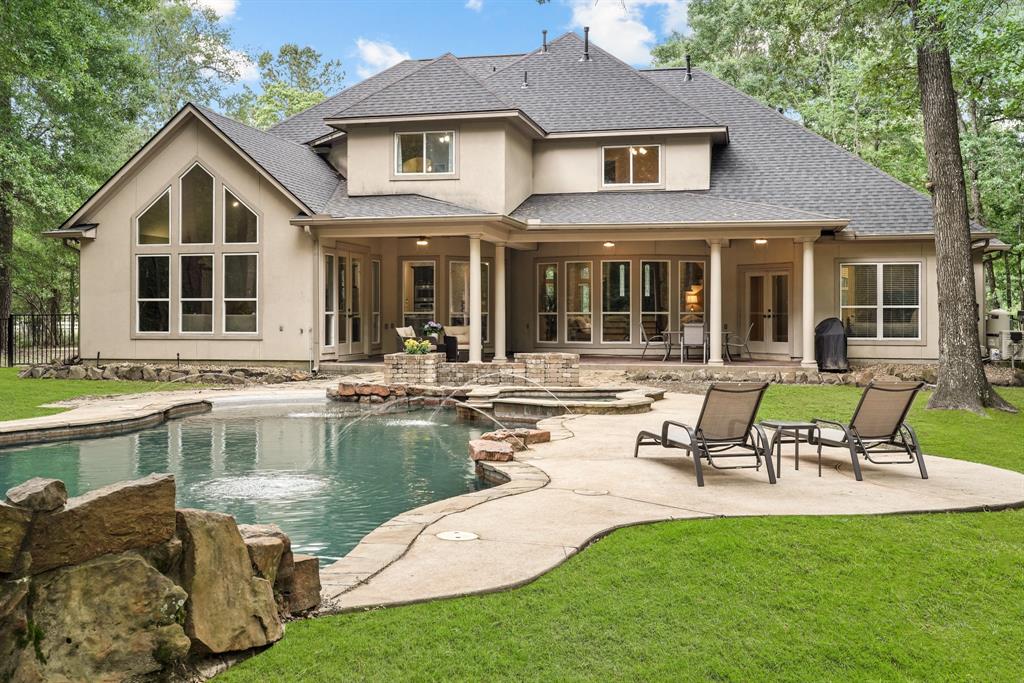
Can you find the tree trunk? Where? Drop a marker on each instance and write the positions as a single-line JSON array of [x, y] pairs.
[[6, 217], [991, 282], [961, 383]]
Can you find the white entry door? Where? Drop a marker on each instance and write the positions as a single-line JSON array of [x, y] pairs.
[[767, 310], [343, 303]]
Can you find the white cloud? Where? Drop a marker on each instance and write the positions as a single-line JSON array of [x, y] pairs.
[[619, 27], [475, 5], [375, 56], [225, 9], [247, 69]]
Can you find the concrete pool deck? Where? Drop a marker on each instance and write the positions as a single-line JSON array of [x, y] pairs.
[[594, 485], [560, 495]]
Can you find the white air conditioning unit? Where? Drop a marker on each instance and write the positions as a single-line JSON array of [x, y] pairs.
[[1009, 347]]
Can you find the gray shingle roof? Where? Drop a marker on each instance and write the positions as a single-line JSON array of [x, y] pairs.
[[567, 95], [442, 86], [391, 206], [598, 208], [297, 167], [772, 159]]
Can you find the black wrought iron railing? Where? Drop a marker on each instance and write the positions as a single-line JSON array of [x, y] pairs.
[[30, 338]]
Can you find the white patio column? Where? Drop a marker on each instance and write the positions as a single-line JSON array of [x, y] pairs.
[[715, 312], [807, 316], [499, 303], [475, 313]]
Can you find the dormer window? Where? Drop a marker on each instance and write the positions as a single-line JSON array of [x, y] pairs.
[[632, 165], [428, 153]]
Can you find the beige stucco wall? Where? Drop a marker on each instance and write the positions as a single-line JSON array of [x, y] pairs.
[[575, 165], [107, 264], [480, 164], [518, 168]]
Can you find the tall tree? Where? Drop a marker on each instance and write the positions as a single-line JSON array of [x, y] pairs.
[[71, 87], [962, 383], [294, 79], [190, 56]]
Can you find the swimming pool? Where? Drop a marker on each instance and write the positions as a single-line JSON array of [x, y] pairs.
[[324, 477]]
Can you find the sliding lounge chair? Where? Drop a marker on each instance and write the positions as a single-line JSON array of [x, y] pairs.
[[726, 424], [876, 427]]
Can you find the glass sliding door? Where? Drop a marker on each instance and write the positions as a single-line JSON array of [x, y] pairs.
[[654, 305], [419, 293], [343, 305], [691, 292], [329, 307], [547, 302], [579, 315], [458, 294], [616, 308]]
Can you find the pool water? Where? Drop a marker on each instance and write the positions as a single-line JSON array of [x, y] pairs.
[[326, 478]]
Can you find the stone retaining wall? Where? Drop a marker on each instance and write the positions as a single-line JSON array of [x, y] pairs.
[[206, 374], [548, 369], [119, 585]]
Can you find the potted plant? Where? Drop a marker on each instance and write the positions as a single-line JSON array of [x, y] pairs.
[[417, 347], [433, 329]]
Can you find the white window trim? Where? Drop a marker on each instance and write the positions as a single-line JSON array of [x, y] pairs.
[[398, 154], [628, 261], [225, 299], [375, 313], [224, 222], [591, 312], [682, 293], [333, 312], [879, 305], [170, 230], [485, 277], [539, 283], [138, 300], [213, 208], [212, 298], [656, 183]]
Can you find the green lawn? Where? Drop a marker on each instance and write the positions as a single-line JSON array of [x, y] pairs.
[[20, 398], [917, 597]]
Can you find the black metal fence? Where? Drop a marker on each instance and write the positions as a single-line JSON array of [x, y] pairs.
[[31, 338]]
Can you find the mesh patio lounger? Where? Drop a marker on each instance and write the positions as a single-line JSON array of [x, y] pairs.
[[726, 423], [877, 426]]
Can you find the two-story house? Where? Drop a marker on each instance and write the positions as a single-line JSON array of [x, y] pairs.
[[554, 200]]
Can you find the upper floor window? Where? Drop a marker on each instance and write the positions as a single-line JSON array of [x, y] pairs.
[[632, 165], [432, 152], [240, 224], [197, 206]]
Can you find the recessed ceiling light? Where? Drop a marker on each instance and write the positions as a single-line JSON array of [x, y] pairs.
[[761, 241], [609, 244], [422, 242]]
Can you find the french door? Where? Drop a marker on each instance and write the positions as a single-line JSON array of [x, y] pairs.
[[343, 303], [767, 311]]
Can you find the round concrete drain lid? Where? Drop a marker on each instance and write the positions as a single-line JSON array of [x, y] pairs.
[[457, 536], [590, 492]]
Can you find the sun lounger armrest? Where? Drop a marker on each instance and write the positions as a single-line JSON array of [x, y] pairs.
[[832, 423], [671, 423], [761, 436]]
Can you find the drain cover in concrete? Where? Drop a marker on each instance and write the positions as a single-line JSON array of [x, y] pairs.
[[457, 536], [590, 492]]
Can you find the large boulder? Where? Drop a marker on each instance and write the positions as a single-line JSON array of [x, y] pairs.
[[305, 593], [518, 438], [112, 519], [13, 626], [14, 524], [109, 619], [494, 451], [265, 554], [228, 608], [285, 568], [39, 495]]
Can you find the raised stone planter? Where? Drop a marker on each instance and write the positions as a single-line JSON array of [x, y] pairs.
[[548, 369], [407, 368]]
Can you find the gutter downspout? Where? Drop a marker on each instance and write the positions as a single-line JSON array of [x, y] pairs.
[[314, 330]]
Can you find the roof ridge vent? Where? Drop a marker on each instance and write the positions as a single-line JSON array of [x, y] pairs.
[[586, 44]]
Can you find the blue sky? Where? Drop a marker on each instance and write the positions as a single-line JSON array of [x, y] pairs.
[[370, 35]]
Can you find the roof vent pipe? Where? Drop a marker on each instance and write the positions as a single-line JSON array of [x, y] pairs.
[[586, 44], [689, 72], [544, 33], [526, 79]]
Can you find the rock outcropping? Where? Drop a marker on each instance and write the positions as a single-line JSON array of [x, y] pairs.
[[116, 584]]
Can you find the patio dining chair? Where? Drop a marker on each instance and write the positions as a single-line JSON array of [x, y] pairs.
[[735, 341], [724, 429], [693, 335], [405, 333], [877, 427], [656, 338]]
